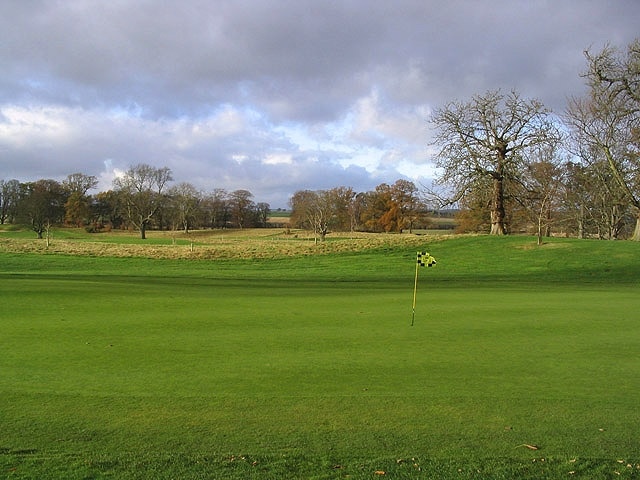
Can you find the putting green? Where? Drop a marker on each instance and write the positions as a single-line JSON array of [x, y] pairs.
[[308, 367]]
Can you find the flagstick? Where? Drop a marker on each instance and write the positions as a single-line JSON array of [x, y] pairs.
[[415, 289]]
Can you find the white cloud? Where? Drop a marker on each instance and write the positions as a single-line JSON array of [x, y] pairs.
[[278, 159]]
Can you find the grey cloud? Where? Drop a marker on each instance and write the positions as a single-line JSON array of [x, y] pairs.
[[298, 59], [141, 81]]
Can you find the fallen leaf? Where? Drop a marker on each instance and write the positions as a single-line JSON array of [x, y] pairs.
[[530, 447]]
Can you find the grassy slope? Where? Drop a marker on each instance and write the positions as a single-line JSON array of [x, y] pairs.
[[307, 367]]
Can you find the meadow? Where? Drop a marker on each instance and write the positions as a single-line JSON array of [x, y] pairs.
[[245, 356]]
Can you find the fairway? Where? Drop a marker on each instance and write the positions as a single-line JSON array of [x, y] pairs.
[[524, 362]]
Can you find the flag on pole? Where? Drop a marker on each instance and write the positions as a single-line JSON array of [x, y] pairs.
[[424, 259]]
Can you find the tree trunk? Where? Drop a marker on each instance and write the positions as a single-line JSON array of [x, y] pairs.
[[539, 229], [581, 222], [547, 226], [497, 208], [636, 232], [143, 230]]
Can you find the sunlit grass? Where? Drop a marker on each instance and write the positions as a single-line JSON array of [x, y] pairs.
[[307, 366]]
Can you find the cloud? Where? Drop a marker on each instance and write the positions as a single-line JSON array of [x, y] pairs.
[[231, 149], [273, 95]]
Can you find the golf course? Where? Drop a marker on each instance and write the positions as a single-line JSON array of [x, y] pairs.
[[270, 356]]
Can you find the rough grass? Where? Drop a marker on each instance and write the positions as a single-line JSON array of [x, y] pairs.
[[209, 244]]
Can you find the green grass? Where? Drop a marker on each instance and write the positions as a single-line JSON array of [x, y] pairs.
[[307, 367]]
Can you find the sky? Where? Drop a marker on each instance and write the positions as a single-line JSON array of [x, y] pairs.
[[274, 96]]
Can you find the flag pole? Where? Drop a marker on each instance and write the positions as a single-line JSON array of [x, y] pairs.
[[423, 259], [415, 290]]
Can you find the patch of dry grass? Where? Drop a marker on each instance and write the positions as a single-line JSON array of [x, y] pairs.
[[211, 244]]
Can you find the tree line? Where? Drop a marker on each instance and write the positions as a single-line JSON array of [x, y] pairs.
[[506, 163], [143, 199]]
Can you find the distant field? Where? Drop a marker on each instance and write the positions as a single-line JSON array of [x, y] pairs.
[[524, 361]]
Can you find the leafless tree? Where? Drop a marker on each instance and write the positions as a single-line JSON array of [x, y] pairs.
[[185, 201], [241, 207], [607, 120], [489, 137], [9, 199], [142, 190]]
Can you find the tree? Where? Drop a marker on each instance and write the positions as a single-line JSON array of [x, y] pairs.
[[321, 210], [342, 202], [142, 192], [262, 213], [106, 209], [378, 212], [473, 214], [185, 200], [9, 198], [310, 209], [489, 137], [77, 209], [541, 189], [78, 205], [42, 205], [405, 195], [241, 207], [79, 183], [215, 207], [607, 120], [392, 208]]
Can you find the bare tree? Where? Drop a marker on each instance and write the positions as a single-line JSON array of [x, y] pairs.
[[313, 210], [320, 210], [241, 207], [79, 183], [262, 213], [607, 121], [42, 205], [542, 188], [489, 137], [342, 199], [215, 207], [577, 198], [185, 200], [142, 191], [9, 199]]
